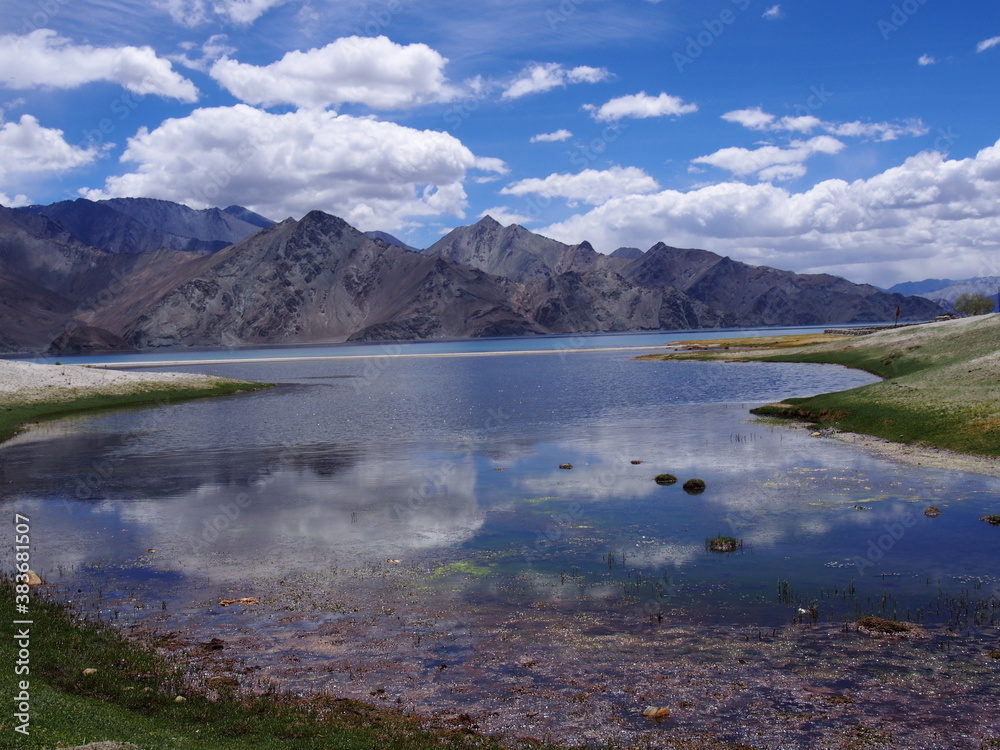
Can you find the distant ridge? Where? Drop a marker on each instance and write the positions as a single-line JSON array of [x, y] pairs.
[[142, 225], [920, 287], [629, 253], [390, 240], [248, 216]]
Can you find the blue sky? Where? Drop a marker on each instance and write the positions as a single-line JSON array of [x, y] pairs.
[[858, 138]]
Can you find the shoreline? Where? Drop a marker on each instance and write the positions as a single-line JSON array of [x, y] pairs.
[[925, 456], [935, 405], [327, 357], [922, 455], [32, 392]]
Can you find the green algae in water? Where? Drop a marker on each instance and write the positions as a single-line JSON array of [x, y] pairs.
[[463, 568]]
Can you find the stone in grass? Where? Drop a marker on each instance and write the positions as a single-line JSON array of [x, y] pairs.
[[874, 625], [694, 486], [932, 512], [991, 520], [665, 479], [723, 544]]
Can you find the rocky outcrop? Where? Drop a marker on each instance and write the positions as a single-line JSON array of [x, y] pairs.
[[87, 340], [319, 279], [749, 295]]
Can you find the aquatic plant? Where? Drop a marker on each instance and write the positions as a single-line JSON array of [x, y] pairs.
[[874, 624], [723, 544], [694, 486], [992, 520], [932, 512], [665, 479]]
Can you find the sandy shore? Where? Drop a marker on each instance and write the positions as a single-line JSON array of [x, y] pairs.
[[26, 382], [920, 455]]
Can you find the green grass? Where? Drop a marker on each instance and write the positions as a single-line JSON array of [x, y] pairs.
[[13, 416], [941, 384], [132, 698]]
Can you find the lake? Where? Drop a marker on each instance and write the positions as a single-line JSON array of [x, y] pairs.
[[404, 524]]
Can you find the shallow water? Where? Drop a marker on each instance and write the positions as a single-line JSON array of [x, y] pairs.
[[394, 515]]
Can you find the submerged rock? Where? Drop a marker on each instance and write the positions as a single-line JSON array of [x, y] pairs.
[[932, 512]]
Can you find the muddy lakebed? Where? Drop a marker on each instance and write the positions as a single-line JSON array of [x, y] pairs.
[[400, 530]]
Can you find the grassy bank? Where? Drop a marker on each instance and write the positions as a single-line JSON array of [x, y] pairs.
[[941, 386], [15, 414]]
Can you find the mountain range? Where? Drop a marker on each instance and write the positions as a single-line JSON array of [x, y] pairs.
[[140, 273], [945, 291]]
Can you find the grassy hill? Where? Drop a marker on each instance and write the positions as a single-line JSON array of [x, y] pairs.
[[941, 382]]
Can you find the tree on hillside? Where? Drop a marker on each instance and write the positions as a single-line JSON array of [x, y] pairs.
[[973, 303]]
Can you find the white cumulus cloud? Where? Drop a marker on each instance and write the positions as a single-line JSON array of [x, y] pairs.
[[373, 174], [506, 217], [988, 43], [541, 77], [45, 59], [590, 186], [27, 147], [366, 70], [554, 137], [926, 60], [641, 105], [929, 216], [762, 160], [756, 118], [773, 13], [18, 200]]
